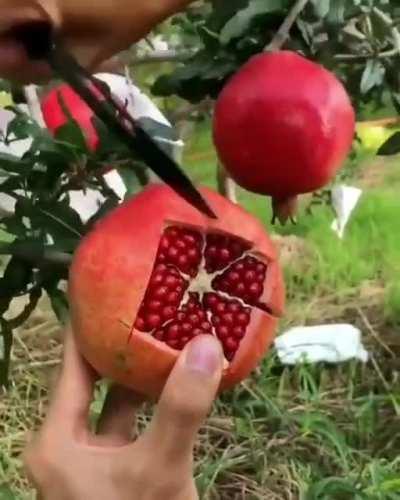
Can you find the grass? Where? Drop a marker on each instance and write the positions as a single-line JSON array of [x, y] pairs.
[[309, 432], [370, 249]]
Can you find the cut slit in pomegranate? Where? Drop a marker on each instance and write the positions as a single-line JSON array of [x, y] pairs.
[[202, 284]]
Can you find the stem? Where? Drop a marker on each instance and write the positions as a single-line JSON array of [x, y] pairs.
[[226, 185], [114, 65], [284, 210], [48, 255], [34, 298], [363, 57], [161, 56], [283, 33]]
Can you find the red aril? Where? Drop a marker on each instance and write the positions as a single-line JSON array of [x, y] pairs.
[[55, 117], [283, 125], [155, 273]]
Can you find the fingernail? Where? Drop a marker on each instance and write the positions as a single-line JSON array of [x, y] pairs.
[[204, 355]]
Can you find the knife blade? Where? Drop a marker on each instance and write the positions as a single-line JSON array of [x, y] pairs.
[[41, 42]]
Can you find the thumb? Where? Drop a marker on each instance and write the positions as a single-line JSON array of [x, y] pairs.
[[187, 398]]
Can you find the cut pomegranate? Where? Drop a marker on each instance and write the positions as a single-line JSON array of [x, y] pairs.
[[139, 292], [201, 284]]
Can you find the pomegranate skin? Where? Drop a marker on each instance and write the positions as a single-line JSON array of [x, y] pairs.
[[283, 125], [54, 116], [110, 274]]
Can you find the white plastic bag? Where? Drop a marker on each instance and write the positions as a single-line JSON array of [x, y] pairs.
[[344, 199], [334, 343]]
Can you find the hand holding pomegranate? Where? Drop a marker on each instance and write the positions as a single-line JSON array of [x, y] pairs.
[[94, 31], [67, 462]]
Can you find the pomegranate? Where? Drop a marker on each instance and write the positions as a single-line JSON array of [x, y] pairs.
[[283, 125], [55, 117], [155, 272]]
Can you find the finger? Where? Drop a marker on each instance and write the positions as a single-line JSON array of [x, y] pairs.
[[11, 16], [73, 391], [187, 398], [116, 422], [14, 61]]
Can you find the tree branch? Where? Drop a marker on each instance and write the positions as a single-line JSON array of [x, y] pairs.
[[115, 65], [162, 56], [363, 57], [25, 314], [283, 33], [46, 255], [205, 106]]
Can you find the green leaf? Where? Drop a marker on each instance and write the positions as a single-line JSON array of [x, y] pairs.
[[333, 487], [11, 184], [130, 179], [14, 225], [109, 143], [203, 76], [391, 485], [240, 22], [16, 278], [337, 11], [72, 134], [380, 29], [396, 101], [56, 155], [373, 76], [14, 164], [222, 12], [56, 218], [19, 248], [323, 427], [391, 146], [321, 7], [5, 98], [62, 220], [22, 126], [306, 30], [6, 493], [59, 303]]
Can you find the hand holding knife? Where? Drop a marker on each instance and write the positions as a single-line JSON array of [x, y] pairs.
[[41, 43]]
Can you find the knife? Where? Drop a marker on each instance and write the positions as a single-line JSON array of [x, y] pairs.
[[40, 42]]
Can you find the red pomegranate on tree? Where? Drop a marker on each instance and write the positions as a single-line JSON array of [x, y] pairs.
[[55, 117], [136, 102], [283, 126], [155, 273]]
